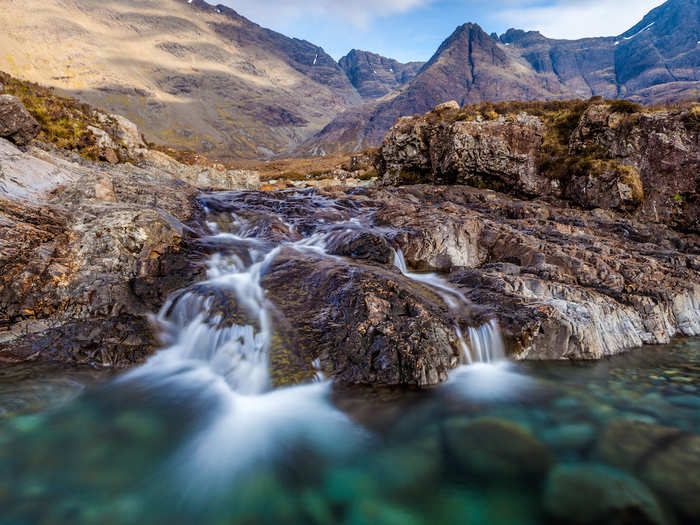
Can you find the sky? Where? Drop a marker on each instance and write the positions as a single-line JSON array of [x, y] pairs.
[[413, 29]]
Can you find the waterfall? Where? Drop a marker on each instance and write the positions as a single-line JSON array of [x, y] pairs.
[[486, 341]]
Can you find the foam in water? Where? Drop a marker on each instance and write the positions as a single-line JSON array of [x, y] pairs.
[[227, 370], [486, 341]]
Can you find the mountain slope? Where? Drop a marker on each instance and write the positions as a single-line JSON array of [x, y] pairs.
[[374, 75], [657, 60], [190, 75]]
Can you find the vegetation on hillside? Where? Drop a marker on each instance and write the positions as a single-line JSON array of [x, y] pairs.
[[562, 118], [64, 121]]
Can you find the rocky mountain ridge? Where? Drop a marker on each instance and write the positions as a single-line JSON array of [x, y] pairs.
[[218, 83], [658, 60]]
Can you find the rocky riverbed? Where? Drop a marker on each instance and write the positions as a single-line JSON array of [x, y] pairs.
[[89, 250]]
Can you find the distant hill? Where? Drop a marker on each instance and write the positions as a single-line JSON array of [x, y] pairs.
[[374, 75], [190, 75]]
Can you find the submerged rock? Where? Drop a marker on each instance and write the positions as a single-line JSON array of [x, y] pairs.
[[667, 459], [495, 448], [593, 494]]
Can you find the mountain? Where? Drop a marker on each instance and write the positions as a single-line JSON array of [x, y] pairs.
[[374, 75], [658, 60], [190, 75], [204, 78]]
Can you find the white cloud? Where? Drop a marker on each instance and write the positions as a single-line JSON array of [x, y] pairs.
[[575, 18], [357, 12]]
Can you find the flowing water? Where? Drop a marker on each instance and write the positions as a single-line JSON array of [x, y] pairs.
[[200, 435]]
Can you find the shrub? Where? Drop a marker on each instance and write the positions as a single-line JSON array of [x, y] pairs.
[[624, 106], [691, 120]]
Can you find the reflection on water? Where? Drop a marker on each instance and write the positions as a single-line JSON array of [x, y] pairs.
[[503, 443]]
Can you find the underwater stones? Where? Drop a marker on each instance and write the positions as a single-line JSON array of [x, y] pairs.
[[667, 459], [574, 436], [592, 494], [496, 448]]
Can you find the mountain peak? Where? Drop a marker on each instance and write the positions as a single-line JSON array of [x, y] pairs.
[[374, 75]]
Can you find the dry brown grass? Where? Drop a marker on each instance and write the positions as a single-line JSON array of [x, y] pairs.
[[64, 121]]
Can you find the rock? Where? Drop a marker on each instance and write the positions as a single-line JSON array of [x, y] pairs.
[[570, 437], [16, 124], [664, 458], [367, 324], [87, 251], [592, 494], [661, 148], [495, 448], [607, 185], [498, 154]]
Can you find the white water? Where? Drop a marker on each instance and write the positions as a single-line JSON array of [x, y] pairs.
[[225, 369], [486, 341]]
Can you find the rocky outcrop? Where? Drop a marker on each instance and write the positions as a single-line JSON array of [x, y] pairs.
[[646, 164], [87, 250], [16, 124], [562, 283], [663, 148], [501, 154]]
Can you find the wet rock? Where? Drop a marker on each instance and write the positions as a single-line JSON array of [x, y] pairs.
[[592, 494], [495, 448], [664, 458], [361, 245], [16, 124], [368, 324], [87, 250]]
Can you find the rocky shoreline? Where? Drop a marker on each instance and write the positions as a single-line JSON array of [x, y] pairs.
[[570, 268]]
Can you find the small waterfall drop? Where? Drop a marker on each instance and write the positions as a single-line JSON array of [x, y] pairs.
[[486, 341]]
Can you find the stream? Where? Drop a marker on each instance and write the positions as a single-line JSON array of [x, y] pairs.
[[202, 432]]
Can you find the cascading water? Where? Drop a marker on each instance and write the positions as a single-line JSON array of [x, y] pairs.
[[486, 341]]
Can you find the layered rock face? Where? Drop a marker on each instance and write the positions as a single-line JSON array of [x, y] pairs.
[[499, 154], [645, 164], [664, 149], [88, 249]]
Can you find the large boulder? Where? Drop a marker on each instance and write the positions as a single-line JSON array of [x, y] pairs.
[[662, 147], [367, 324], [16, 123], [499, 154]]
